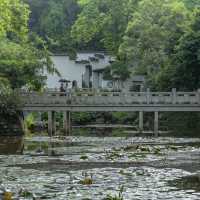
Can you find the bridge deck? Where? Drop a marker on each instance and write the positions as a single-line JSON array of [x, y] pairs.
[[112, 101]]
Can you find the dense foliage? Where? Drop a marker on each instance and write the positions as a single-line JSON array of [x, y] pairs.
[[157, 38], [105, 20], [10, 111], [22, 55], [153, 34], [22, 63], [147, 36], [52, 20], [10, 103], [14, 16], [184, 71]]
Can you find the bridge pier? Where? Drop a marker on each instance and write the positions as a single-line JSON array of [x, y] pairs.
[[51, 123], [67, 122], [156, 123], [141, 122]]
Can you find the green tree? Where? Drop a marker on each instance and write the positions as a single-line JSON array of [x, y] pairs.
[[37, 7], [14, 16], [52, 20], [22, 56], [10, 103], [118, 70], [184, 71], [152, 35], [191, 4], [22, 64], [103, 20]]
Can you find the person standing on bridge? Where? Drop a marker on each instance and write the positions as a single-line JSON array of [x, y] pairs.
[[62, 89], [66, 87]]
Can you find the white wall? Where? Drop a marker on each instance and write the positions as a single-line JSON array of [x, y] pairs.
[[72, 71]]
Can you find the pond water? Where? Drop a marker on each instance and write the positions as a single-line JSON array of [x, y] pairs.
[[58, 168], [72, 71]]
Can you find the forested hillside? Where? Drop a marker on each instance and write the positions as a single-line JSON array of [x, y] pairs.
[[151, 37], [52, 20], [156, 38]]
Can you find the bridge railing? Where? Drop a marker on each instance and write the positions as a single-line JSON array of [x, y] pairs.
[[109, 98]]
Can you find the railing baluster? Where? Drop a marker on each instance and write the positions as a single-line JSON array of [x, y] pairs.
[[174, 96], [148, 96]]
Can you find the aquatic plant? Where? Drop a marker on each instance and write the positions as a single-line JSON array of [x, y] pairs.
[[175, 148], [83, 157], [114, 155], [26, 194], [157, 151], [88, 180], [7, 195], [145, 149], [116, 197]]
